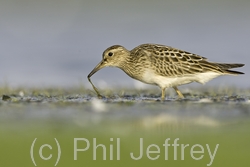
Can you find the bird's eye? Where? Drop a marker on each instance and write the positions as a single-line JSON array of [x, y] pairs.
[[110, 54]]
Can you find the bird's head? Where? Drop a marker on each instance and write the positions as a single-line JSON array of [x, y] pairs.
[[113, 56]]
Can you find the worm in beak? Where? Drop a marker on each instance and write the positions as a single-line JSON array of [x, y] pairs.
[[97, 68]]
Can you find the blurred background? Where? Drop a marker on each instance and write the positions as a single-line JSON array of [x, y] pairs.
[[57, 43]]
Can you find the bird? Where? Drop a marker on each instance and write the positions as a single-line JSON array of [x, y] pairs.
[[163, 66]]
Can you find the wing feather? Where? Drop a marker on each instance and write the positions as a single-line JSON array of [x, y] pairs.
[[168, 61]]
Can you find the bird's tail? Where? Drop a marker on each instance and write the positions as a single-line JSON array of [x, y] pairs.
[[226, 68]]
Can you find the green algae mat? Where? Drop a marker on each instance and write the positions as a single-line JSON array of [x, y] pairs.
[[71, 127]]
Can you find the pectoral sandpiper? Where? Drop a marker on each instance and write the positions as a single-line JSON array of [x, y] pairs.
[[163, 66]]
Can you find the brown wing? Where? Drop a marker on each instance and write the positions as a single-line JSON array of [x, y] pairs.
[[168, 61]]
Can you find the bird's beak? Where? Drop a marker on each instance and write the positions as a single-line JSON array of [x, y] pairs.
[[97, 68]]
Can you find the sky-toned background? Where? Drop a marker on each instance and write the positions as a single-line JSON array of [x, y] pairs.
[[58, 42]]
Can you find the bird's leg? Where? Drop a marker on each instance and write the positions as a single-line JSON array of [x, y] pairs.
[[178, 92], [163, 94]]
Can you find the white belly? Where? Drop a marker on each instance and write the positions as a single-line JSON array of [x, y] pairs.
[[164, 81]]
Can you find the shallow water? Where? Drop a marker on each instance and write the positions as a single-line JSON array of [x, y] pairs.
[[47, 114]]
